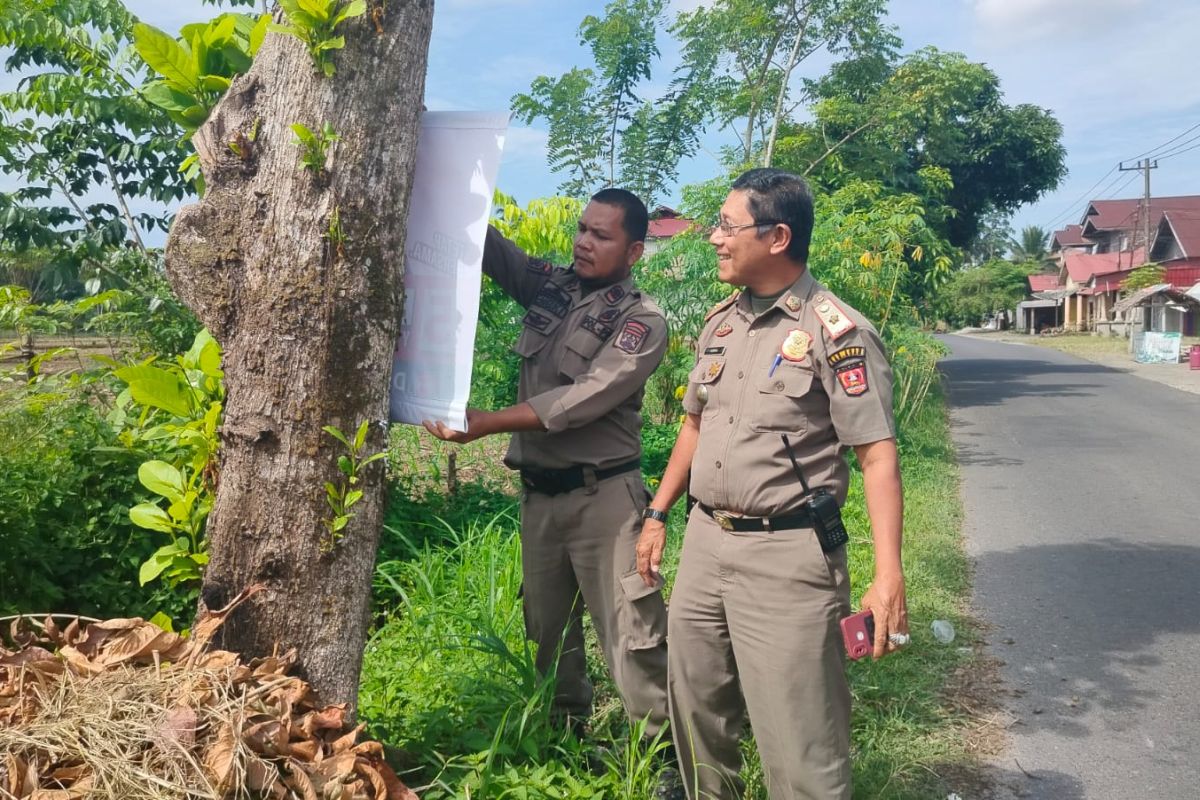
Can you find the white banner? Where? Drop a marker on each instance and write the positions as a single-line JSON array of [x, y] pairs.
[[458, 155], [1156, 348]]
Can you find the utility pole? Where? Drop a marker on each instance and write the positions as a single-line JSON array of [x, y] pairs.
[[1144, 166]]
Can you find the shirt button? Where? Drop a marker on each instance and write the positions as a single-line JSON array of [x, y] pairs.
[[779, 386], [718, 465], [753, 332], [731, 420], [741, 374]]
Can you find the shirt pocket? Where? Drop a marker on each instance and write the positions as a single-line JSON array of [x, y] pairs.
[[530, 343], [781, 401], [579, 350], [705, 379]]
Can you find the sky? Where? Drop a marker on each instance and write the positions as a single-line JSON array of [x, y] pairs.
[[1116, 74]]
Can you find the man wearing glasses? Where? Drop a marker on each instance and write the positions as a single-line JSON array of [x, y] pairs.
[[787, 378]]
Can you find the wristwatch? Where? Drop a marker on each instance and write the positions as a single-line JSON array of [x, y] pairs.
[[655, 514]]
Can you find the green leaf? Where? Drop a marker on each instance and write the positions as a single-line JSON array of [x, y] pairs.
[[165, 56], [181, 510], [215, 83], [154, 566], [259, 33], [352, 497], [331, 430], [345, 465], [157, 388], [161, 620], [195, 116], [355, 8], [164, 96], [332, 43], [162, 479], [341, 522], [360, 436], [371, 458], [316, 8], [210, 360], [151, 517], [307, 138]]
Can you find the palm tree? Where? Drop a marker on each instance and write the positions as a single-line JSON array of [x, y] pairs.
[[1031, 246]]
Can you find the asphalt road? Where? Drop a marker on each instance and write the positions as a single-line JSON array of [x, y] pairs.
[[1081, 487]]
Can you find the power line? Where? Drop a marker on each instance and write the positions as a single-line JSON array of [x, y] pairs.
[[1180, 152], [1164, 144], [1121, 188], [1070, 206]]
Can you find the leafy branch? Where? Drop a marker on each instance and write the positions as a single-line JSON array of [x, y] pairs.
[[342, 496], [314, 22]]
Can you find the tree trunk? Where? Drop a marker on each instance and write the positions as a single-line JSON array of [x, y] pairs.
[[298, 276]]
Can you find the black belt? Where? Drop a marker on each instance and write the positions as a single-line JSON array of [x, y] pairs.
[[559, 481], [800, 519]]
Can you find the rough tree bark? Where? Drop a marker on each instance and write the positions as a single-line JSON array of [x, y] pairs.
[[308, 321]]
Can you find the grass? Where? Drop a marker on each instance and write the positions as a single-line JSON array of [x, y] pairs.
[[449, 682]]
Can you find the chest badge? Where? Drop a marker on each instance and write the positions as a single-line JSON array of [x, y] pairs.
[[714, 369], [724, 329], [796, 346]]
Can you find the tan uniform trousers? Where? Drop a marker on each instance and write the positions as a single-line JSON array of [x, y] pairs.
[[754, 627], [581, 545]]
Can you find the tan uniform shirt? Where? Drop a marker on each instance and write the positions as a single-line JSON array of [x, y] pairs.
[[831, 389], [585, 361]]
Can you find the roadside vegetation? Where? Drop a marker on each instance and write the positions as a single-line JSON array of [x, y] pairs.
[[112, 395]]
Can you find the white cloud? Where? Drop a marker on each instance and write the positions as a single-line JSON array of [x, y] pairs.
[[1028, 20]]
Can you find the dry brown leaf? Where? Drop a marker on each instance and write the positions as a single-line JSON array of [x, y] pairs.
[[262, 776], [79, 662], [334, 768], [137, 643], [51, 631], [347, 742], [305, 749], [218, 759], [300, 782], [179, 726], [396, 790], [15, 768], [75, 792], [72, 634], [209, 621], [364, 767], [65, 776], [27, 656], [267, 738], [21, 632], [369, 749], [328, 718]]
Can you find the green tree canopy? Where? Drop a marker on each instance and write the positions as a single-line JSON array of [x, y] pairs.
[[884, 119]]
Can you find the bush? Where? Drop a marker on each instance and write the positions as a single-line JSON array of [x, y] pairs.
[[66, 542]]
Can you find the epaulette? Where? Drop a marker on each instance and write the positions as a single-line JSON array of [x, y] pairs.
[[721, 306], [833, 317]]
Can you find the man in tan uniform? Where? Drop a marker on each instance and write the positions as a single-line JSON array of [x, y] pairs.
[[589, 341], [787, 378]]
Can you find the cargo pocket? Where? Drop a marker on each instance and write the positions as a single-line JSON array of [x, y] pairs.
[[579, 349], [781, 396], [643, 615]]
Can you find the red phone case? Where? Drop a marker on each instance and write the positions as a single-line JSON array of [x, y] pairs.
[[858, 632]]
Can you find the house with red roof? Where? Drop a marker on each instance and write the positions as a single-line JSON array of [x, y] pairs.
[[665, 223], [1096, 255]]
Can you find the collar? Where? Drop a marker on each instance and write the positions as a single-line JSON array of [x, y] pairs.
[[803, 290]]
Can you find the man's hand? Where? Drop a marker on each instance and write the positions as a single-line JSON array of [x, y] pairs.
[[650, 551], [885, 599], [475, 419]]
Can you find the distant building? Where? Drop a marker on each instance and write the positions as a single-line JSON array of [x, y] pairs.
[[665, 223]]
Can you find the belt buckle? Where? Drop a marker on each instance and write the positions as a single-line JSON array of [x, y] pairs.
[[724, 519]]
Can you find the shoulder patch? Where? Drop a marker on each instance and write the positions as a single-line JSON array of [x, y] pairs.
[[632, 336], [721, 305], [539, 322], [614, 295], [554, 299], [845, 354], [832, 317], [540, 266], [852, 375]]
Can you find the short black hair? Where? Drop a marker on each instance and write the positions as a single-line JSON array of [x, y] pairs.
[[634, 218], [781, 197]]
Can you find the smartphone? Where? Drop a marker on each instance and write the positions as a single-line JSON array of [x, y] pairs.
[[858, 632]]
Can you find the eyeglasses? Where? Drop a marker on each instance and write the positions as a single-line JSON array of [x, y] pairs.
[[729, 230]]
